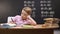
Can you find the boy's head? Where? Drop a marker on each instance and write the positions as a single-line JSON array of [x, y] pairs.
[[25, 12]]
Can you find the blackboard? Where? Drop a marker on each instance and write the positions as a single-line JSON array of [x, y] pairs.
[[41, 9]]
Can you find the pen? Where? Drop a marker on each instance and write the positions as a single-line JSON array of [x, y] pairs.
[[12, 20]]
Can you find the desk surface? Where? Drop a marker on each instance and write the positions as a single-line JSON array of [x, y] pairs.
[[38, 26], [29, 29]]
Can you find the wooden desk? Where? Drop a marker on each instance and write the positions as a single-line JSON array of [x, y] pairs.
[[35, 30]]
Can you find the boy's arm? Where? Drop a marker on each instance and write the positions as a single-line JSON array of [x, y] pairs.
[[12, 21], [33, 22]]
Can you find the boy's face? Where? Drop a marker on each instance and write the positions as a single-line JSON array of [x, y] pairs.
[[24, 15]]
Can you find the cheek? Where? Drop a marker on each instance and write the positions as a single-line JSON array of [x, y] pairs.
[[23, 16]]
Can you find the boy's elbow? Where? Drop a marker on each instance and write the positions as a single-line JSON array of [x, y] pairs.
[[34, 24]]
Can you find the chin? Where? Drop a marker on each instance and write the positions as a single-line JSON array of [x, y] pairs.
[[24, 18]]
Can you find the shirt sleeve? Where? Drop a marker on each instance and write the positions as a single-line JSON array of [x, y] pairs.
[[28, 22], [15, 18]]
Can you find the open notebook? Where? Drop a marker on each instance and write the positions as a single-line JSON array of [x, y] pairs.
[[7, 25]]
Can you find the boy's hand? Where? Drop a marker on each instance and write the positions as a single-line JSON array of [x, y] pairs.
[[32, 20], [29, 17]]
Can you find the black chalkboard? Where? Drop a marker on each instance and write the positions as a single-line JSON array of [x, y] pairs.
[[14, 7]]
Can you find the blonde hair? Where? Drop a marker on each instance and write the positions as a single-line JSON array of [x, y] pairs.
[[28, 10]]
